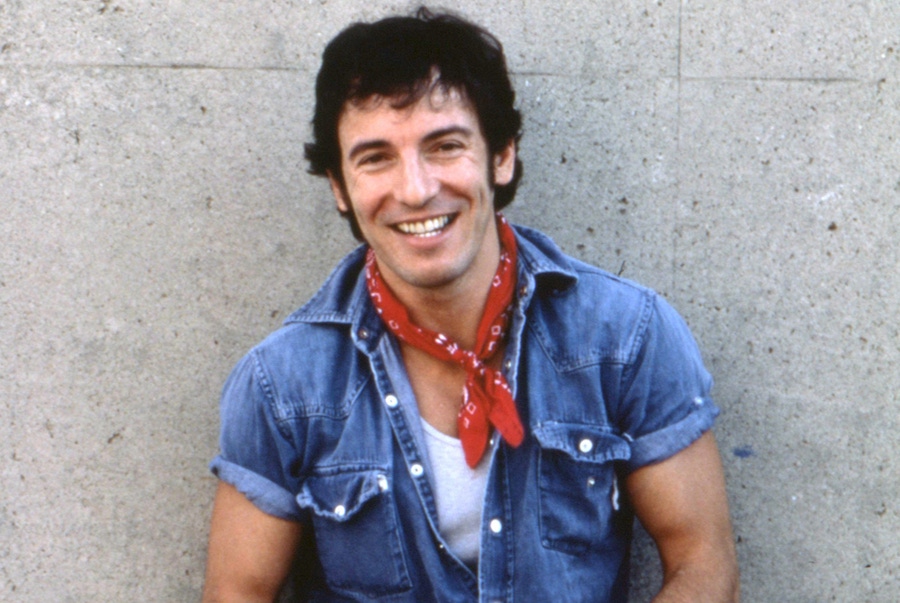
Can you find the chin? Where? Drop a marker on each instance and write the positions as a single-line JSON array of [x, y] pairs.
[[431, 279]]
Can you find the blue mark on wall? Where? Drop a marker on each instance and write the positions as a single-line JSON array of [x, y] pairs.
[[743, 452]]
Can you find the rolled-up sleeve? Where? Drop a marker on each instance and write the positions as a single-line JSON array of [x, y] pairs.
[[254, 453], [666, 389]]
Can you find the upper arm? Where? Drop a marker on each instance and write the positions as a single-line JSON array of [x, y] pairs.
[[682, 503], [250, 552]]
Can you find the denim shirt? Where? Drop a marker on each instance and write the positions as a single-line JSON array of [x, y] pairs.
[[320, 426]]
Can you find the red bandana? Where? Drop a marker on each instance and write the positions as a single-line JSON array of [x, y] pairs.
[[487, 398]]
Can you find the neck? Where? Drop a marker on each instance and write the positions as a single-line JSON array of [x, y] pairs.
[[455, 314], [454, 308]]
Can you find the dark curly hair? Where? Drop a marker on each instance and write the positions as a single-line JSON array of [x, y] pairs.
[[404, 58]]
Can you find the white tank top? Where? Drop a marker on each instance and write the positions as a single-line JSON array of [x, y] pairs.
[[459, 493]]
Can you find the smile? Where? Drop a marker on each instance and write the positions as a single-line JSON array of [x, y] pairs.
[[425, 228]]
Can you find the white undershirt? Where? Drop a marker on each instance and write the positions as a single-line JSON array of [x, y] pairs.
[[459, 492]]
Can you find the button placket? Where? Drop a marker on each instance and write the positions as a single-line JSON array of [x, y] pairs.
[[399, 416], [498, 536]]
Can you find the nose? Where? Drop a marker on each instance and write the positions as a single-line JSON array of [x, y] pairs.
[[416, 183]]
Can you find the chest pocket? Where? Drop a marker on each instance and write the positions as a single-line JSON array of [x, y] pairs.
[[355, 523], [579, 492]]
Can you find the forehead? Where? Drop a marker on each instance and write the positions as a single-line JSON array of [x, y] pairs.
[[396, 117]]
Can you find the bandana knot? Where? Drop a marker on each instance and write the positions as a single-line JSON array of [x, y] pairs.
[[487, 399]]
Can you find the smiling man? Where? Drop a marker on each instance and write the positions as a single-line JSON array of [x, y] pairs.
[[462, 412]]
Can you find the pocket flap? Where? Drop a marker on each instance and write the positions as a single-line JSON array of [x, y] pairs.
[[339, 494], [587, 443]]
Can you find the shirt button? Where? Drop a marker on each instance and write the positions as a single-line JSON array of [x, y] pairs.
[[416, 470], [508, 365], [363, 333], [615, 495], [382, 483], [523, 291], [585, 445], [391, 401], [340, 511], [496, 526]]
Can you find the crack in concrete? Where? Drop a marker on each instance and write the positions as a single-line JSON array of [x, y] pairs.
[[150, 66], [803, 80]]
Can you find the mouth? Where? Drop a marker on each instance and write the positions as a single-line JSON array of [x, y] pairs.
[[425, 228]]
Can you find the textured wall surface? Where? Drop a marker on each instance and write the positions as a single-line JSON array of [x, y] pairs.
[[156, 221]]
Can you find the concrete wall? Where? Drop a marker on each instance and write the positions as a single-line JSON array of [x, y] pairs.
[[156, 221]]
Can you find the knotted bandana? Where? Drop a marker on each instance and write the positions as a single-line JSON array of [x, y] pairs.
[[487, 399]]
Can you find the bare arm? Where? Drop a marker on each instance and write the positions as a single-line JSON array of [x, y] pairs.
[[250, 552], [682, 503]]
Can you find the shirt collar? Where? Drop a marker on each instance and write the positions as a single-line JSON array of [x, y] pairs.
[[344, 299]]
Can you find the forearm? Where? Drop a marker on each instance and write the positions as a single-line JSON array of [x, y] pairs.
[[229, 594], [710, 582]]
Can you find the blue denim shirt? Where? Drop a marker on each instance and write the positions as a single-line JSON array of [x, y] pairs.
[[319, 425]]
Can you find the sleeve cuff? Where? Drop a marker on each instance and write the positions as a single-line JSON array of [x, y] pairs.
[[266, 495], [664, 443]]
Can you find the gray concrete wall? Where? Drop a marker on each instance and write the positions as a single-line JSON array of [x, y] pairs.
[[156, 221]]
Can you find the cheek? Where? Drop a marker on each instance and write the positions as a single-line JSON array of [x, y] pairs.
[[363, 198], [472, 175]]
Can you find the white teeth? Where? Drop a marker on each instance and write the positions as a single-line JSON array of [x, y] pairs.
[[426, 228]]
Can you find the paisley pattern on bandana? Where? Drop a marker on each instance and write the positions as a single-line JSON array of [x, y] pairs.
[[486, 399]]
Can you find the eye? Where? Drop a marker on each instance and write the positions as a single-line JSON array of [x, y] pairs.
[[448, 146], [372, 159]]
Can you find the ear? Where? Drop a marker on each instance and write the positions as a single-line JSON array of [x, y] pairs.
[[505, 164], [340, 197]]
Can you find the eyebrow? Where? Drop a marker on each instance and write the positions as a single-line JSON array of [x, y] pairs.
[[467, 132], [368, 145]]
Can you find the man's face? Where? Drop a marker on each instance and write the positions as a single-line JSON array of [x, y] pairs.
[[419, 182]]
